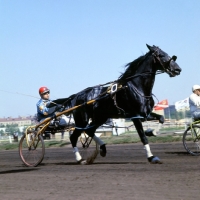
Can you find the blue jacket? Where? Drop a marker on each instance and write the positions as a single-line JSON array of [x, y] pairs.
[[42, 110]]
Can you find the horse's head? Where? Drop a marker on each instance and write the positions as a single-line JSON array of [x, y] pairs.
[[165, 62]]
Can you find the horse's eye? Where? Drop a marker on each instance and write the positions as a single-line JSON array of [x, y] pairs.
[[162, 56]]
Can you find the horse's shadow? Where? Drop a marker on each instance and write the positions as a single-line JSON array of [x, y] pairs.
[[96, 163], [178, 153], [18, 170]]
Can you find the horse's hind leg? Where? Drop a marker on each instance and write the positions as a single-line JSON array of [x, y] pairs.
[[143, 138], [74, 138], [91, 133]]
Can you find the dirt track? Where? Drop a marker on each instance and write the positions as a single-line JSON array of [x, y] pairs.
[[123, 174]]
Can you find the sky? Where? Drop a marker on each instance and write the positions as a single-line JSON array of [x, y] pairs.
[[69, 45]]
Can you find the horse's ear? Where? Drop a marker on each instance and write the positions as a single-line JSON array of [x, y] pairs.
[[149, 47]]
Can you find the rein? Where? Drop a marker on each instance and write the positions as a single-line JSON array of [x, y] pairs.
[[119, 87], [138, 92], [130, 77], [134, 76]]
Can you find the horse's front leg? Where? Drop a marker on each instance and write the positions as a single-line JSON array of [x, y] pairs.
[[138, 125], [156, 131]]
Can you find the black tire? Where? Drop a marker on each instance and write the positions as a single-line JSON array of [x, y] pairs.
[[88, 148], [32, 156], [191, 140]]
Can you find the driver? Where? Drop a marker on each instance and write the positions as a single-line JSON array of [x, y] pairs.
[[44, 112], [194, 102]]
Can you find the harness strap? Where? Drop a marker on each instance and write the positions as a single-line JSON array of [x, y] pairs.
[[115, 103], [86, 128], [137, 117]]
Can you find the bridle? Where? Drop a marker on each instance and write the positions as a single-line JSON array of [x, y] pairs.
[[165, 65]]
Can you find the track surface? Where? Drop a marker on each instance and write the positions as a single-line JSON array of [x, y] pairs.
[[123, 174]]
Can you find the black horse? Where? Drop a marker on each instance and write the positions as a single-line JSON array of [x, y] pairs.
[[130, 96]]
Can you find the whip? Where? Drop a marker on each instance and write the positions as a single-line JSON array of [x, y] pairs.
[[19, 94]]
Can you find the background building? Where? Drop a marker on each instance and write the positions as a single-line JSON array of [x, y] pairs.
[[20, 121]]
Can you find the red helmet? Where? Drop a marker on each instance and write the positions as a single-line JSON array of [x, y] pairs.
[[43, 90]]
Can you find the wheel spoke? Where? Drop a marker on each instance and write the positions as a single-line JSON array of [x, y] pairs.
[[33, 155], [88, 148], [191, 141]]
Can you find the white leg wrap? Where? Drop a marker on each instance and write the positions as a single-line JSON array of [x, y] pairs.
[[148, 151], [77, 154], [98, 141], [157, 129]]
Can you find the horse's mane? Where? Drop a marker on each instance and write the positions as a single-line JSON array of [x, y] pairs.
[[132, 67]]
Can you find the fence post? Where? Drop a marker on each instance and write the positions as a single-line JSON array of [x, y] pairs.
[[10, 139]]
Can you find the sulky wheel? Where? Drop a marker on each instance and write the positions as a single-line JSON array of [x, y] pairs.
[[32, 154], [88, 148], [191, 140]]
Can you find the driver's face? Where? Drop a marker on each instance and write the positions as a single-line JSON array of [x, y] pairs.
[[45, 96], [197, 92]]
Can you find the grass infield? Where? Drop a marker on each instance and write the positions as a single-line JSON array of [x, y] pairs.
[[128, 137]]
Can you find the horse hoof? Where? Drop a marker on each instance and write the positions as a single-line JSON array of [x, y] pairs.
[[82, 162], [103, 150], [154, 160], [161, 120], [150, 132]]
